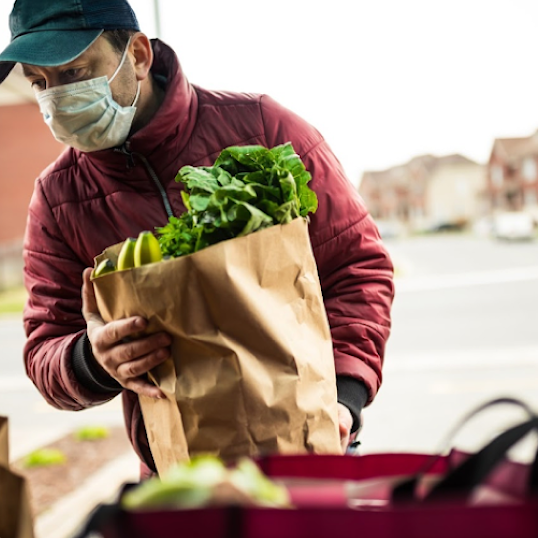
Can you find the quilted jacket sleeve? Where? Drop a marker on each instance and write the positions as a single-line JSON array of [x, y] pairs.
[[52, 317], [355, 270]]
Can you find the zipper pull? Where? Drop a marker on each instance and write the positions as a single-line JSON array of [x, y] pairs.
[[126, 150]]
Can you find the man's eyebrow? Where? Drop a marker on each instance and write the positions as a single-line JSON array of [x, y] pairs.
[[27, 71]]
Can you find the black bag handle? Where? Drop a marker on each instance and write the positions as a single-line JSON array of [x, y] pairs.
[[449, 439], [472, 472]]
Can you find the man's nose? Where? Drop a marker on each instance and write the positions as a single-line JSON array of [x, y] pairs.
[[52, 80]]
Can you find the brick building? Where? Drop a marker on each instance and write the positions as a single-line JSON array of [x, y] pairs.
[[426, 192], [26, 148], [512, 175]]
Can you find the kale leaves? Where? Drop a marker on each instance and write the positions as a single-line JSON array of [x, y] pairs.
[[249, 188]]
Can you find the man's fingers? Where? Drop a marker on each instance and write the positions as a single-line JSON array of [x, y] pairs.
[[127, 362], [89, 303], [345, 422], [145, 388], [345, 418], [116, 331], [143, 365], [144, 346]]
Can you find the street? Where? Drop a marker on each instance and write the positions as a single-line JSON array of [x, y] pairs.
[[464, 332]]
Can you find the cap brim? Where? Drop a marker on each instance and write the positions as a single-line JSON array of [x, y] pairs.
[[47, 48], [5, 70]]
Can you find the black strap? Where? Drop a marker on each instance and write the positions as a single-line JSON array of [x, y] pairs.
[[449, 440], [469, 475], [477, 467]]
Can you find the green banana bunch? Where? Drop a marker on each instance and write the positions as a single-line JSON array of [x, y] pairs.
[[147, 249], [126, 255], [133, 253], [106, 266]]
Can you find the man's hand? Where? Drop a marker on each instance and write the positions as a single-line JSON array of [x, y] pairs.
[[345, 421], [127, 362]]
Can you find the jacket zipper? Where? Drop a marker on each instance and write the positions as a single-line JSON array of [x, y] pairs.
[[125, 149]]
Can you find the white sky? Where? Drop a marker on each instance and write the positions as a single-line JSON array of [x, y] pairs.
[[383, 80]]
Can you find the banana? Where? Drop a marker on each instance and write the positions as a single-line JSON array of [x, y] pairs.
[[126, 256], [105, 267], [147, 249]]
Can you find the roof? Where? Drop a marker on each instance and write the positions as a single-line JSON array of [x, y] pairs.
[[15, 89], [513, 149], [426, 162]]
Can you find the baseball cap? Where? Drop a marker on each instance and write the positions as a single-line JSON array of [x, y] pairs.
[[51, 33]]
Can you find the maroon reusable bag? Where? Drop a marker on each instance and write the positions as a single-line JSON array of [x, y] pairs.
[[376, 495]]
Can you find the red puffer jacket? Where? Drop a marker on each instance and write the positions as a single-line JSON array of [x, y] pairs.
[[85, 202]]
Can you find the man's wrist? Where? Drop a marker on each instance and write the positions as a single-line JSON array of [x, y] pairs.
[[87, 370], [353, 394]]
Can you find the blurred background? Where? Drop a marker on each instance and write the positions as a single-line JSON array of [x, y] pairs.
[[432, 109]]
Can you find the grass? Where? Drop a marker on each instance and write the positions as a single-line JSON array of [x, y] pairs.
[[12, 300]]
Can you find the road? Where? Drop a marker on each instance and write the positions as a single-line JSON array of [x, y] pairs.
[[464, 331]]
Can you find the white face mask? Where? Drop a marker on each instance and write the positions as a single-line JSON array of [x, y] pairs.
[[84, 114]]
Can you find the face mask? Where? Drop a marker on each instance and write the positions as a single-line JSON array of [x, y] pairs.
[[84, 114]]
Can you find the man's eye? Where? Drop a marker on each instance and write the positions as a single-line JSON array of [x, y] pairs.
[[72, 74]]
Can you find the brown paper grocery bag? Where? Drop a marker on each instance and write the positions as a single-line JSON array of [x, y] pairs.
[[15, 514], [253, 367]]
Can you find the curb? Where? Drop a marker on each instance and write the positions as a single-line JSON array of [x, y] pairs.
[[65, 517]]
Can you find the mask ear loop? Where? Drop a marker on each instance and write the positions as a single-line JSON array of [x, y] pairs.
[[137, 95], [121, 62], [118, 70]]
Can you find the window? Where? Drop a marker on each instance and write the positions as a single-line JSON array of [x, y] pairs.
[[497, 175], [529, 169], [530, 198]]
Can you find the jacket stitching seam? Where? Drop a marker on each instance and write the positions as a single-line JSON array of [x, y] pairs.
[[60, 233], [219, 151], [212, 105], [318, 143], [32, 252], [345, 230], [94, 198], [362, 324]]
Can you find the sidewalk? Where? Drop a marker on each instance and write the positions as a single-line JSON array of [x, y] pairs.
[[67, 515]]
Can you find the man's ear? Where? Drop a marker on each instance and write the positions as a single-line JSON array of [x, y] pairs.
[[142, 55]]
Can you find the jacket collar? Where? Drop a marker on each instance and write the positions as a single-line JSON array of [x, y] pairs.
[[167, 134]]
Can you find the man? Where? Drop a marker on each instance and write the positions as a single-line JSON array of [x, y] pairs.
[[132, 120]]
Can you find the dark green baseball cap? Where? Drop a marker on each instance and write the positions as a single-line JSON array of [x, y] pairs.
[[55, 32]]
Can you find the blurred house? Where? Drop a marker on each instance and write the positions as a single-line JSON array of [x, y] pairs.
[[26, 148], [512, 175], [427, 193]]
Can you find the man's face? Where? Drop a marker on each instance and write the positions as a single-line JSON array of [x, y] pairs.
[[99, 60]]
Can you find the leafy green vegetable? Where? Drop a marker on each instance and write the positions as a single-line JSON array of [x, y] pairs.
[[249, 188], [187, 485], [91, 433], [248, 478], [206, 480], [44, 457]]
